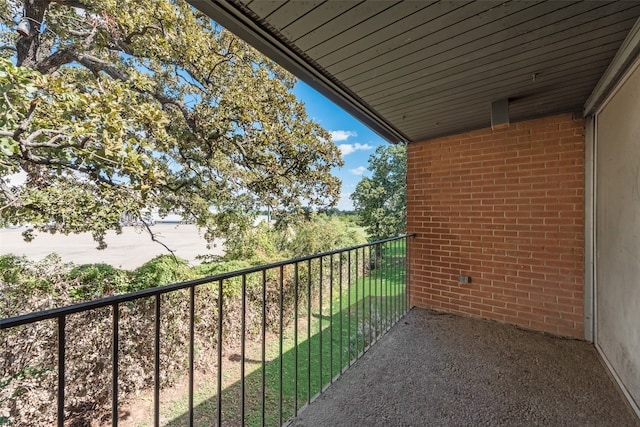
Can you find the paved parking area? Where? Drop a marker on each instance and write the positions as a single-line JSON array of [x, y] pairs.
[[128, 250]]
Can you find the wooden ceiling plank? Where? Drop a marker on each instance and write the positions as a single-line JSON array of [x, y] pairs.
[[449, 121], [342, 23], [413, 26], [290, 13], [524, 65], [458, 25], [479, 53], [385, 19], [514, 88], [263, 8], [541, 55], [479, 117], [490, 93], [464, 47], [316, 18], [451, 108]]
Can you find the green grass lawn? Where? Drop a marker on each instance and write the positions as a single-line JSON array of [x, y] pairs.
[[332, 331]]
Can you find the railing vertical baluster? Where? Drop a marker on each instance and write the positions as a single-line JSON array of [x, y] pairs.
[[115, 342], [394, 283], [320, 326], [356, 304], [349, 308], [370, 296], [399, 291], [331, 318], [388, 286], [398, 281], [385, 291], [308, 331], [407, 269], [295, 338], [375, 286], [281, 298], [242, 348], [394, 307], [219, 350], [340, 295], [156, 372], [264, 337], [61, 367], [364, 300], [378, 250], [390, 282], [192, 337]]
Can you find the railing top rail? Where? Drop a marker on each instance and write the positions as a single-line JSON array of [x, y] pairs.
[[25, 319]]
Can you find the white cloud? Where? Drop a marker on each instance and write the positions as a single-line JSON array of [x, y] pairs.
[[350, 148], [358, 171], [341, 135], [345, 203]]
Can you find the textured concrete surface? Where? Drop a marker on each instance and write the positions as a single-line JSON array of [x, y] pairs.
[[438, 369]]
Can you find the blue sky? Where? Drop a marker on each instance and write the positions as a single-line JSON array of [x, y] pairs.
[[356, 141]]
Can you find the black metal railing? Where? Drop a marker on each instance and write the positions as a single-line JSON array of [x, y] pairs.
[[302, 322]]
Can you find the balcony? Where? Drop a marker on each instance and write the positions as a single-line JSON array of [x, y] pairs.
[[327, 337]]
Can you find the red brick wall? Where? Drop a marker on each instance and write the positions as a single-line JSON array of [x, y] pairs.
[[505, 207]]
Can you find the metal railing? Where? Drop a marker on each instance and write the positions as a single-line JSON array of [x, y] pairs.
[[302, 323]]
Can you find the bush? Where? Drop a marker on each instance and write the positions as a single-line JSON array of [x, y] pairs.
[[321, 233], [161, 270], [98, 280]]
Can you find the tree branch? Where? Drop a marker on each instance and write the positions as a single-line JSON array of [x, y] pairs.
[[154, 239], [72, 3], [45, 161], [25, 123], [4, 188], [141, 32]]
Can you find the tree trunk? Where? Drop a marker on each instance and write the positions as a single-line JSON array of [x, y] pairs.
[[29, 48]]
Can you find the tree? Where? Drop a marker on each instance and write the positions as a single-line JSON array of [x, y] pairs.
[[112, 107], [381, 201]]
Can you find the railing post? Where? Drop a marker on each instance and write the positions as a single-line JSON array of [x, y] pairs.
[[320, 325], [331, 318], [156, 370], [61, 368], [349, 307], [115, 342], [295, 339], [242, 348], [263, 349], [308, 331], [192, 315], [280, 372], [219, 350]]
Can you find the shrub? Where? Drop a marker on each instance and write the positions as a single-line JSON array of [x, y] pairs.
[[161, 270], [321, 233], [97, 280]]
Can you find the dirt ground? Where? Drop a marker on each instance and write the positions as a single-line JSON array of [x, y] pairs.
[[128, 250]]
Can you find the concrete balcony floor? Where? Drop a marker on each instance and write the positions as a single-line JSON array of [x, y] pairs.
[[439, 369]]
